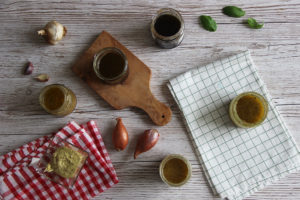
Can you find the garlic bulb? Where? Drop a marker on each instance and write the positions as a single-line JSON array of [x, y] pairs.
[[53, 32]]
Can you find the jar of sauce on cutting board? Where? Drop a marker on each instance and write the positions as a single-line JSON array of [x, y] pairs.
[[110, 65], [248, 110]]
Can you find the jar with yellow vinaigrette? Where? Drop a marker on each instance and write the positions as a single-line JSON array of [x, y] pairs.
[[57, 99], [175, 170], [248, 110]]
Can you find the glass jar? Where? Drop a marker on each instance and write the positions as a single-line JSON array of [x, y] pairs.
[[57, 99], [111, 65], [167, 28], [248, 110], [175, 170]]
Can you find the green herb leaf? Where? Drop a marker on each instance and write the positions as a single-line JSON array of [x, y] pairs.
[[208, 23], [253, 23], [233, 11]]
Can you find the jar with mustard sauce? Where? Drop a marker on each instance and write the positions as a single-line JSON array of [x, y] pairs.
[[57, 99], [248, 110], [175, 170]]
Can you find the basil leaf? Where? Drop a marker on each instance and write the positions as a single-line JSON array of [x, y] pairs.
[[233, 11], [253, 24], [208, 23]]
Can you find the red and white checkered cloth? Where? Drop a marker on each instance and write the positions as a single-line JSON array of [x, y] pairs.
[[20, 180]]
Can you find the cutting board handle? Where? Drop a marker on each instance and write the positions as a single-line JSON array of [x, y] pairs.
[[158, 112]]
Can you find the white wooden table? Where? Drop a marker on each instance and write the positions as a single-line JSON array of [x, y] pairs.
[[275, 50]]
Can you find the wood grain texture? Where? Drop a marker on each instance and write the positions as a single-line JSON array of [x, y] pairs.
[[134, 91], [275, 50]]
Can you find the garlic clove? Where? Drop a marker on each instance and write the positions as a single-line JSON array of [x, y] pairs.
[[42, 78], [53, 32], [146, 141], [120, 135], [28, 69]]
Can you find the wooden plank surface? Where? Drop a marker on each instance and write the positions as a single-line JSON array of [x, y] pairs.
[[275, 50]]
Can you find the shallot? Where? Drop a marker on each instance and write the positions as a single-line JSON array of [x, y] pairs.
[[120, 135], [146, 141], [53, 32]]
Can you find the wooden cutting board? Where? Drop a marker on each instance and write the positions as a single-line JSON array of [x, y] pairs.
[[134, 91]]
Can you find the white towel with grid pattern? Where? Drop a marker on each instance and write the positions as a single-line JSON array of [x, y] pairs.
[[237, 162]]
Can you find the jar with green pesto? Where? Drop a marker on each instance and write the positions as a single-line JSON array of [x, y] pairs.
[[248, 110], [57, 99]]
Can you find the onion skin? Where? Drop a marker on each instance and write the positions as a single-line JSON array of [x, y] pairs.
[[28, 69], [120, 135], [146, 141], [42, 78]]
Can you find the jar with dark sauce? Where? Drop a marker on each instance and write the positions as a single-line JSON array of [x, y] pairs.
[[111, 65], [167, 28]]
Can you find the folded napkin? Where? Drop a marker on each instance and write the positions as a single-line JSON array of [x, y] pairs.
[[19, 178], [237, 162]]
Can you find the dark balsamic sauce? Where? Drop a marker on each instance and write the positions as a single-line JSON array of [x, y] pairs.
[[167, 25], [111, 65]]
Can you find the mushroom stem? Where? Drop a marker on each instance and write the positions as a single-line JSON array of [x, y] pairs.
[[42, 32]]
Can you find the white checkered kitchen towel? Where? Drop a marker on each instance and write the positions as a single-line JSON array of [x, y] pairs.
[[236, 161]]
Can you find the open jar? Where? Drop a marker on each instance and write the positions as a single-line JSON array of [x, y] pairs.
[[248, 110], [62, 163], [110, 65], [175, 170], [57, 99], [167, 28]]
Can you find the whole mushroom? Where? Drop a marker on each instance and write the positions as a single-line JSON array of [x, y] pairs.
[[53, 32]]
